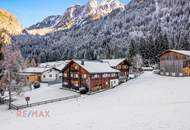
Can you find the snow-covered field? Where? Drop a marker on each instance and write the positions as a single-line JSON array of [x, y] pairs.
[[150, 102], [42, 94]]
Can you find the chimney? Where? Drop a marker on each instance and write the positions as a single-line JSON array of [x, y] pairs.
[[82, 62]]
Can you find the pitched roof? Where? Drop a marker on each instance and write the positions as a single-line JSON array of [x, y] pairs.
[[113, 62], [57, 64], [184, 52], [61, 66], [96, 66], [35, 70], [53, 64]]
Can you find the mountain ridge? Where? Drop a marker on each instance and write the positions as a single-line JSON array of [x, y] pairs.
[[76, 15], [145, 27]]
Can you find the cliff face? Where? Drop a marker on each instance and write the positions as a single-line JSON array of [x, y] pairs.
[[9, 23], [8, 26]]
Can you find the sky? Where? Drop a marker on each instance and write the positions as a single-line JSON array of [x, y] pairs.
[[29, 12]]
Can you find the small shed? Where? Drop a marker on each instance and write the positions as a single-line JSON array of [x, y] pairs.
[[175, 63]]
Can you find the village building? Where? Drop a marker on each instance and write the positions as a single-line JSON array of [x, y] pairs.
[[59, 65], [41, 74], [92, 75], [54, 64], [122, 65], [175, 63]]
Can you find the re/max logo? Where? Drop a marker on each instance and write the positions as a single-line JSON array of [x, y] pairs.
[[33, 114]]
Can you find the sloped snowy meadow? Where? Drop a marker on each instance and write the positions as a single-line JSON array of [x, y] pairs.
[[150, 102]]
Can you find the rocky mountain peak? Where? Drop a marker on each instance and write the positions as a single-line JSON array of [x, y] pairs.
[[92, 4], [77, 15]]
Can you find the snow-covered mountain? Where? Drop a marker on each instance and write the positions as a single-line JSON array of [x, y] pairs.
[[76, 15], [50, 21], [145, 27]]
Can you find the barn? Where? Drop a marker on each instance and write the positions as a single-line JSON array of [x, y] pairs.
[[92, 75], [175, 63]]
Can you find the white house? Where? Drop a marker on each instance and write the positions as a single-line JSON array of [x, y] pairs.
[[51, 74], [41, 74], [59, 65]]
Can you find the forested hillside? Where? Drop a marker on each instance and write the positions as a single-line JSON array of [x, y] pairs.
[[145, 27]]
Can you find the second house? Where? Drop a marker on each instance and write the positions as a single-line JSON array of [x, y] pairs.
[[41, 74]]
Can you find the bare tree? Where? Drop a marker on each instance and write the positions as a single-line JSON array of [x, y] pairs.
[[12, 64]]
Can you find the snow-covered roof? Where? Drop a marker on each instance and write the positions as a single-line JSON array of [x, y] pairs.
[[113, 62], [53, 64], [184, 52], [96, 66], [61, 66], [35, 70], [49, 64]]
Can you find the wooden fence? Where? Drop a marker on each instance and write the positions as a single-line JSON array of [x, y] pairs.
[[43, 102]]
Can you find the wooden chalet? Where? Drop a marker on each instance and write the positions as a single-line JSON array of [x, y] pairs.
[[175, 63], [92, 75], [122, 65]]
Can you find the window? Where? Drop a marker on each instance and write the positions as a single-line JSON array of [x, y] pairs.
[[76, 84], [84, 76], [50, 75], [104, 75], [44, 76], [76, 75], [65, 83], [76, 67], [124, 67], [50, 70], [56, 75], [65, 74], [119, 67], [95, 76], [113, 75], [107, 83]]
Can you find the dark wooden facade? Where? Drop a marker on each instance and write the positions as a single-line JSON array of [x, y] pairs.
[[76, 77], [123, 67], [173, 63]]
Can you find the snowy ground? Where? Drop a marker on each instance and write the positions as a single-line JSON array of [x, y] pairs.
[[44, 93], [150, 102]]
